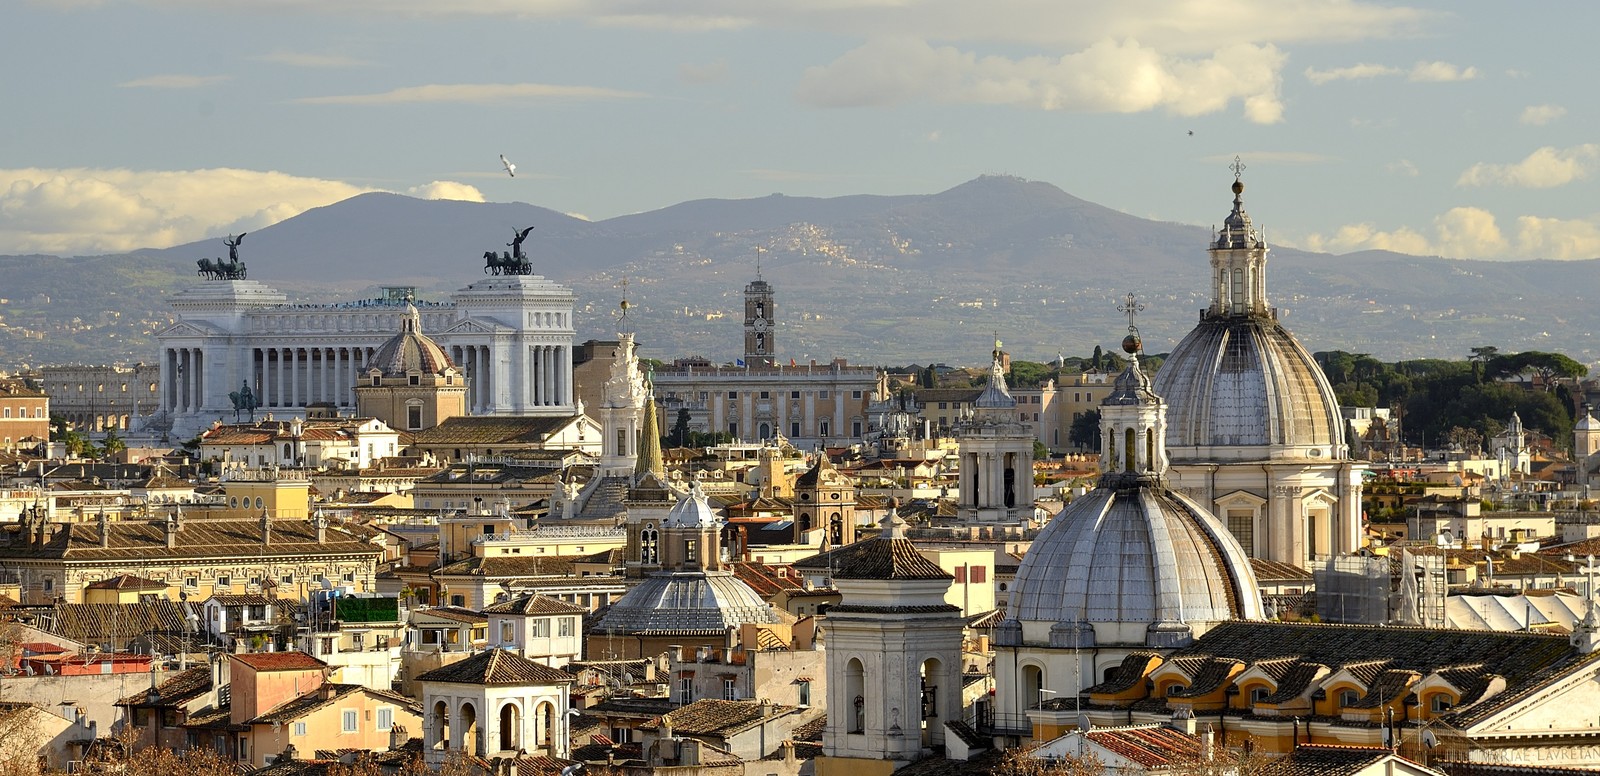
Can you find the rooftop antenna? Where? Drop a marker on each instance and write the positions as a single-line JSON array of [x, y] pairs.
[[759, 251]]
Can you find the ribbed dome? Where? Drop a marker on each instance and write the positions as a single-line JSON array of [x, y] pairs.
[[687, 602], [691, 511], [410, 351], [1143, 556], [1241, 381]]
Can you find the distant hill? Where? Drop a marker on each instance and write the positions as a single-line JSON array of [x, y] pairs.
[[877, 279]]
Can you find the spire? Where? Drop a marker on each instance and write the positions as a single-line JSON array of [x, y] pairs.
[[1133, 419], [997, 395], [1238, 260], [649, 443]]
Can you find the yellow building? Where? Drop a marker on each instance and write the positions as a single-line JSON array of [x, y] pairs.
[[411, 384]]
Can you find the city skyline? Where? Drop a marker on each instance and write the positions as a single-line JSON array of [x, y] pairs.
[[1426, 128]]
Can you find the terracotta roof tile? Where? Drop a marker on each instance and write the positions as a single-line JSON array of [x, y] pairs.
[[497, 667], [279, 661]]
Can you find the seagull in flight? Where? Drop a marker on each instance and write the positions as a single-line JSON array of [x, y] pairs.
[[511, 169], [1191, 134]]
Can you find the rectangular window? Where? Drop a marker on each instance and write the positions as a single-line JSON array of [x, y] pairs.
[[350, 719], [765, 395], [541, 628], [822, 394], [414, 417], [855, 428], [349, 576], [979, 574], [961, 575], [822, 428], [385, 719], [224, 581], [729, 691], [508, 633], [686, 690], [733, 430], [299, 728], [794, 394], [805, 693], [566, 627], [1242, 524], [733, 394], [794, 430], [855, 394]]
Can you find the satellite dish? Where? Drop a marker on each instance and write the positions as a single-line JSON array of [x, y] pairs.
[[1429, 739], [572, 770]]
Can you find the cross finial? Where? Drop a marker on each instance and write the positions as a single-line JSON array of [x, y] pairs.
[[623, 306], [1130, 306], [1237, 167]]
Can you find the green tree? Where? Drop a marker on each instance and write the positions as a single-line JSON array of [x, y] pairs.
[[1028, 374], [112, 444], [680, 429], [1085, 430], [1040, 452], [930, 378]]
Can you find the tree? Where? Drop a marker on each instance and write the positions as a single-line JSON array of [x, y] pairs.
[[112, 444], [680, 429], [1085, 430], [1040, 452], [1028, 374], [929, 377], [1548, 367]]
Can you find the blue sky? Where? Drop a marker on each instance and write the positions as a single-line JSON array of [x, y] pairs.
[[1464, 129]]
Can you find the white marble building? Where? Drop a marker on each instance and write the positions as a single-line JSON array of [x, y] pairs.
[[511, 335]]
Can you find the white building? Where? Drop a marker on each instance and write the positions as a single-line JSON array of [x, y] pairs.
[[510, 335]]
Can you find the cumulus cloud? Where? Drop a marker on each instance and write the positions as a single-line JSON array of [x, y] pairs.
[[173, 81], [310, 60], [1540, 115], [1472, 233], [1441, 71], [1320, 77], [85, 211], [479, 94], [1545, 168], [1108, 77], [446, 190]]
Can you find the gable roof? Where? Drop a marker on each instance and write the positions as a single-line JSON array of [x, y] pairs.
[[279, 661], [497, 667]]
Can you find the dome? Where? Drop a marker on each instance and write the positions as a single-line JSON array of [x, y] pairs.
[[1246, 381], [691, 511], [1587, 422], [410, 351], [687, 602], [1141, 556]]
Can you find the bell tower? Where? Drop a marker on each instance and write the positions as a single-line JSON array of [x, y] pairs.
[[759, 312]]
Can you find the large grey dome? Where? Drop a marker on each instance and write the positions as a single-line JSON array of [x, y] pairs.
[[1245, 381], [410, 350], [686, 602], [1143, 557]]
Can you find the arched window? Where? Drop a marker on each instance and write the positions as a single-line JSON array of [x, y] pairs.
[[650, 545], [855, 690], [510, 728], [1128, 451]]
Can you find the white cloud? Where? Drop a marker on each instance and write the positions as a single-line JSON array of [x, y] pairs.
[[1320, 77], [446, 190], [1540, 115], [173, 81], [580, 216], [1472, 233], [310, 60], [1107, 77], [1545, 168], [1402, 167], [479, 94], [1441, 71], [85, 211]]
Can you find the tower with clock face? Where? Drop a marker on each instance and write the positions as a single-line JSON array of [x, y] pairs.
[[759, 311]]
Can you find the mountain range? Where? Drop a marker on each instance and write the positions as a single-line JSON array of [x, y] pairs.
[[875, 279]]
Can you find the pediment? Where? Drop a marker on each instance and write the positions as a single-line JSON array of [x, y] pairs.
[[474, 326], [190, 329]]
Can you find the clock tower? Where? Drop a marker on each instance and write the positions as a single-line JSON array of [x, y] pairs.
[[758, 324]]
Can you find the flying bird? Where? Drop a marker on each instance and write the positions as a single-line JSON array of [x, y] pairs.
[[1191, 134], [511, 169]]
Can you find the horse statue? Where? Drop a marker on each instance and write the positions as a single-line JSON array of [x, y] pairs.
[[244, 400]]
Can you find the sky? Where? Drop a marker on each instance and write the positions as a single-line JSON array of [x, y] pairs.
[[1454, 128]]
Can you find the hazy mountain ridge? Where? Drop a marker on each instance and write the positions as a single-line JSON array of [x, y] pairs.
[[878, 279]]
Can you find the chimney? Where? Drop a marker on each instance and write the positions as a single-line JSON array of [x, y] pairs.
[[397, 737], [787, 748], [1207, 747], [666, 727], [1183, 720], [766, 708], [172, 531], [320, 521], [327, 690]]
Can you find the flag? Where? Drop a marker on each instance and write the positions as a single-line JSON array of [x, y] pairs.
[[738, 362], [791, 362]]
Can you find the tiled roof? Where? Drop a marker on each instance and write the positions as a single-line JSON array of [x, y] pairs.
[[93, 623], [126, 582], [1150, 746], [175, 690], [876, 558], [713, 717], [1318, 760], [279, 661], [534, 604], [491, 430], [1127, 673], [497, 667], [138, 540], [513, 566], [456, 613], [242, 600], [1277, 572], [291, 710]]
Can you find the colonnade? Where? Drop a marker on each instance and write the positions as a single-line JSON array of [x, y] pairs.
[[301, 376], [183, 387]]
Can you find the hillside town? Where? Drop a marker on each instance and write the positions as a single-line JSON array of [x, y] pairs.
[[409, 535]]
